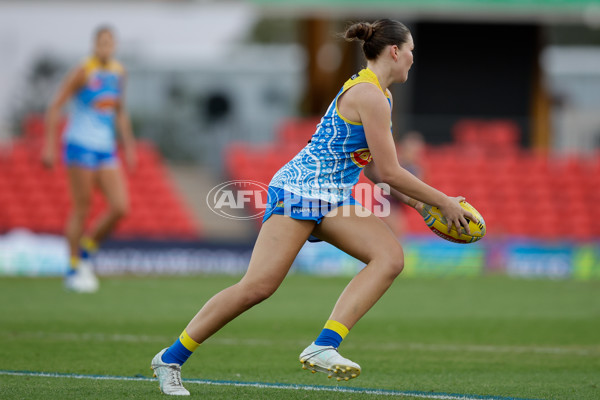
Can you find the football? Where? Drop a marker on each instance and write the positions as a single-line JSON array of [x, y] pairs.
[[437, 223]]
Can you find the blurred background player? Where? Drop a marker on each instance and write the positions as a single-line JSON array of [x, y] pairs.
[[96, 90], [301, 194], [410, 149]]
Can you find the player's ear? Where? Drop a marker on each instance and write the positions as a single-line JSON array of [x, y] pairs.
[[394, 52]]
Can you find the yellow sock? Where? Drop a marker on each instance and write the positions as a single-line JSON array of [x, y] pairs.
[[74, 262], [89, 244], [87, 247], [187, 341], [337, 327]]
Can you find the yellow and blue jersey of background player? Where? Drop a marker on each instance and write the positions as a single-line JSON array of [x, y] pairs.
[[90, 134], [330, 164]]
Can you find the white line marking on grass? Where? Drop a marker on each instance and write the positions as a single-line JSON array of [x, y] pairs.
[[482, 348], [383, 346], [265, 385]]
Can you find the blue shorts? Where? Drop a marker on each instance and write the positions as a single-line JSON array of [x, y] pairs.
[[282, 202], [79, 156]]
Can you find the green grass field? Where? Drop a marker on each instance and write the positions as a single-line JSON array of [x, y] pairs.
[[476, 337]]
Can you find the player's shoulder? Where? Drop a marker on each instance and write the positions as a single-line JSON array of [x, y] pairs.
[[90, 64], [116, 67], [368, 94]]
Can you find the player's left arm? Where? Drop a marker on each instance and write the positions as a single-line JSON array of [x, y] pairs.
[[123, 123]]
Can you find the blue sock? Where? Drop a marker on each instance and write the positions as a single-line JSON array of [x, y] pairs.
[[84, 254], [332, 334], [329, 338], [181, 350], [176, 354]]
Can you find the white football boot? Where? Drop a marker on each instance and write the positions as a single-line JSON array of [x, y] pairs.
[[327, 359], [169, 376], [82, 280]]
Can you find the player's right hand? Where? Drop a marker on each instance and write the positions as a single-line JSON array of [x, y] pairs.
[[456, 215]]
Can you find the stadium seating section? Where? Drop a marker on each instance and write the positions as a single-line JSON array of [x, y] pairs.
[[38, 199], [519, 192]]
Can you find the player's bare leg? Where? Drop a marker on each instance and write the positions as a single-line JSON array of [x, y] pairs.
[[112, 184], [279, 241], [81, 184], [80, 277], [368, 239]]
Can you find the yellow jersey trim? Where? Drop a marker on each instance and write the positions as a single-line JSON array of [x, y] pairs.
[[364, 76], [92, 64]]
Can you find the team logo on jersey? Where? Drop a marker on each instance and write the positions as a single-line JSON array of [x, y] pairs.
[[361, 157], [105, 104]]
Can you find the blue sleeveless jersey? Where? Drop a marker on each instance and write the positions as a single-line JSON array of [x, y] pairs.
[[328, 167], [91, 122]]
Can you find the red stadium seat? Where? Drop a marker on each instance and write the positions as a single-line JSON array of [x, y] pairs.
[[297, 131], [38, 199]]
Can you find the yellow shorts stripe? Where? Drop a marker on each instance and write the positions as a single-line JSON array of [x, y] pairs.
[[337, 327], [187, 341]]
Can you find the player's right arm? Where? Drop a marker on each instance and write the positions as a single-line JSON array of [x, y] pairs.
[[375, 115], [372, 174], [74, 81]]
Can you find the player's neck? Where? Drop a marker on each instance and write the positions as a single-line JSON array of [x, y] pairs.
[[104, 62], [382, 73]]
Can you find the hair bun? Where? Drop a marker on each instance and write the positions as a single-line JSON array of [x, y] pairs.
[[377, 35], [361, 31]]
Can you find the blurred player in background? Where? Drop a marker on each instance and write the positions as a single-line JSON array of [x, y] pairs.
[[302, 193], [96, 90], [410, 149]]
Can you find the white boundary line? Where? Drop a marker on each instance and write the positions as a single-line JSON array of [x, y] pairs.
[[385, 346], [263, 385]]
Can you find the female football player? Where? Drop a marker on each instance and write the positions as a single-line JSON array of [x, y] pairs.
[[96, 88], [354, 134]]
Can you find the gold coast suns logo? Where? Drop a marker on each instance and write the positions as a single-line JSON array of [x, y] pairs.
[[105, 104], [361, 157]]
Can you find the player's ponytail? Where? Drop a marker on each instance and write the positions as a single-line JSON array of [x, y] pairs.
[[361, 31], [378, 35]]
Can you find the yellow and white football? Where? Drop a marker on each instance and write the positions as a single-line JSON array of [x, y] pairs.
[[437, 223]]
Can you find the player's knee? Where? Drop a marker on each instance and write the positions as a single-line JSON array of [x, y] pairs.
[[263, 292], [257, 293], [397, 266], [81, 207], [119, 210], [394, 261]]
